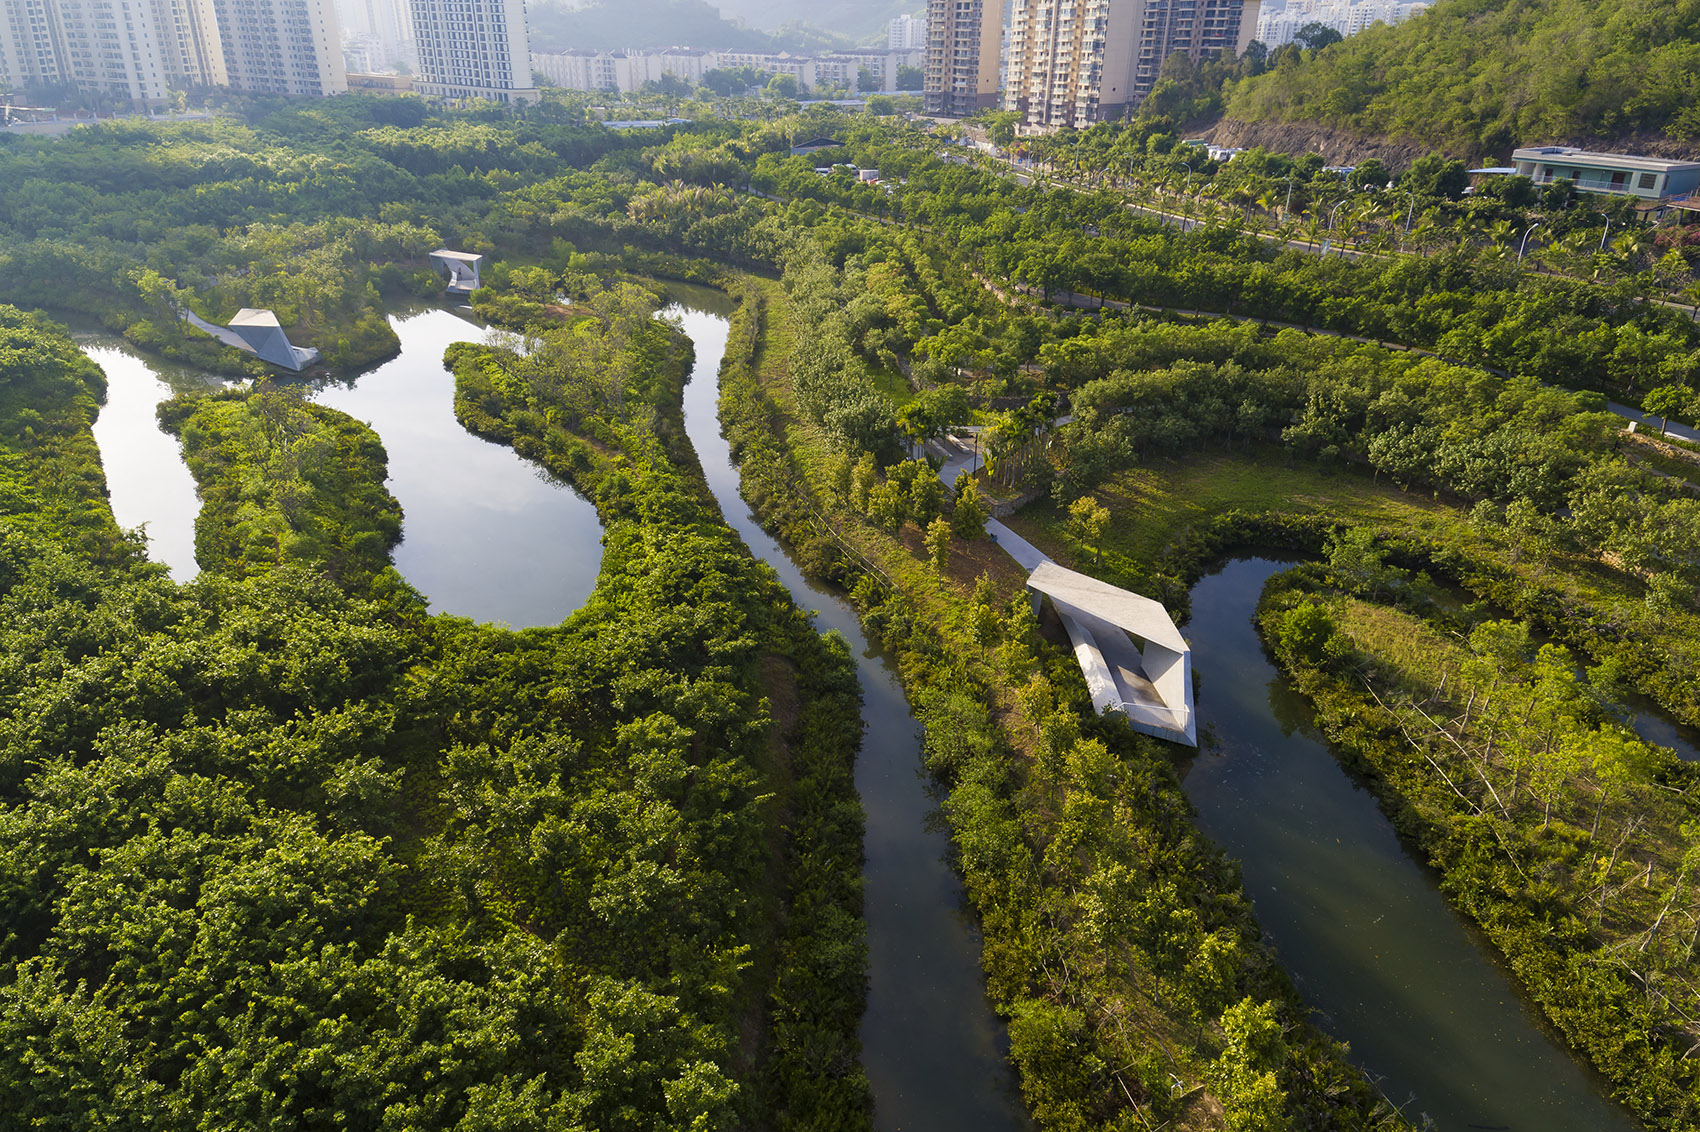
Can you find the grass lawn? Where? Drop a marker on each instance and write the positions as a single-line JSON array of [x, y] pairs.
[[891, 383], [1152, 503]]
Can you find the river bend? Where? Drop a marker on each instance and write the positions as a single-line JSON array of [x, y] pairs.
[[1387, 964]]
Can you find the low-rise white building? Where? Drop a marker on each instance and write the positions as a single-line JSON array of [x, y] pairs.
[[1618, 174], [1277, 28], [628, 70]]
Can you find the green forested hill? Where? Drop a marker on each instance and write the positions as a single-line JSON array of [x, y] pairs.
[[1480, 77], [607, 25]]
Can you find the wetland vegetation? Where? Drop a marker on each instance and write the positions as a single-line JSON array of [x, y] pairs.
[[287, 846]]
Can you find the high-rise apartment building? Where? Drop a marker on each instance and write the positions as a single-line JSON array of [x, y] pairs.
[[379, 33], [1202, 29], [961, 73], [30, 47], [473, 49], [289, 47], [906, 33], [190, 44], [113, 48], [126, 50], [140, 51], [1078, 62]]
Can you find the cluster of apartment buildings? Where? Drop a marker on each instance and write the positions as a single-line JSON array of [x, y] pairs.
[[1278, 27], [139, 51], [142, 51], [1069, 62], [629, 70]]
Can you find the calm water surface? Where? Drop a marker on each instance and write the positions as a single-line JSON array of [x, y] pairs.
[[145, 476], [1653, 725], [935, 1054], [1376, 950], [486, 534]]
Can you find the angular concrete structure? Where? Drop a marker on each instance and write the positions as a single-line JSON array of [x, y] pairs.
[[1151, 685], [258, 332], [460, 268]]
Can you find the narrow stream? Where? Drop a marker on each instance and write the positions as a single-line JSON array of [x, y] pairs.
[[934, 1052], [146, 479], [1373, 945]]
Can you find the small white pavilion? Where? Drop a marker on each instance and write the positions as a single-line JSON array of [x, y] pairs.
[[1151, 682], [460, 268], [258, 332]]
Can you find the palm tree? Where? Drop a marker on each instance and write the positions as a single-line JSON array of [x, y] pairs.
[[1265, 208], [1425, 234], [1314, 228], [1692, 294], [1630, 247]]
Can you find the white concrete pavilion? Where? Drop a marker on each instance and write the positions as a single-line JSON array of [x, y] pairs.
[[258, 332], [460, 268], [1151, 683]]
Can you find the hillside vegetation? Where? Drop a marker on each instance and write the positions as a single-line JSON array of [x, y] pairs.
[[603, 25], [1479, 77]]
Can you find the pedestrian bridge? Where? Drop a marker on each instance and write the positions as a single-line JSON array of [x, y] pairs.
[[1134, 659]]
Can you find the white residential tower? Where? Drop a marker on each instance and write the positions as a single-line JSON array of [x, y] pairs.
[[473, 49]]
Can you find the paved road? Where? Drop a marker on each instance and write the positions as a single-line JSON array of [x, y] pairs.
[[1672, 428]]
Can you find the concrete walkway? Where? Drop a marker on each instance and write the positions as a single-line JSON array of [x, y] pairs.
[[1029, 556], [959, 454]]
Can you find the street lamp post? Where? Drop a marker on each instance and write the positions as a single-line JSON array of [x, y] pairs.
[[1186, 195], [1524, 245], [1326, 244], [1604, 234]]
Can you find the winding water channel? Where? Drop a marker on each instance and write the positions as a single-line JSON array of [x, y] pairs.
[[487, 535], [1374, 947], [146, 480], [933, 1050]]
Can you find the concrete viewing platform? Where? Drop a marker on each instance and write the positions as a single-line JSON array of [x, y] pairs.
[[459, 268], [1152, 685], [1150, 682], [257, 332]]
